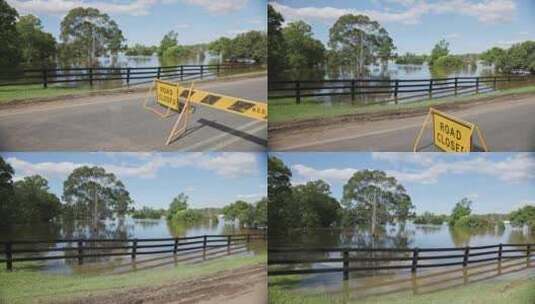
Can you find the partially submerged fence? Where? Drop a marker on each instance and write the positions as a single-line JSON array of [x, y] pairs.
[[373, 259], [89, 248], [387, 90], [126, 75]]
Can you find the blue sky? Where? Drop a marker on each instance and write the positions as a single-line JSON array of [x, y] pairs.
[[146, 21], [416, 25], [495, 182], [153, 179]]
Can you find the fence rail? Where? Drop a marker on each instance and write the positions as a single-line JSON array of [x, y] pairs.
[[412, 258], [396, 89], [126, 74], [86, 248]]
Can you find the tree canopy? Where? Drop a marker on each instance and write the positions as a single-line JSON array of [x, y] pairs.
[[27, 200], [374, 197], [38, 47], [357, 40], [87, 33], [302, 51], [10, 52], [94, 194], [250, 45], [441, 49]]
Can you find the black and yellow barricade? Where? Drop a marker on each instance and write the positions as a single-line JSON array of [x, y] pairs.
[[450, 134], [248, 108], [175, 97]]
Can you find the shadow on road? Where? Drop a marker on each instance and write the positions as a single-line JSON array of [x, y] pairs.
[[229, 130]]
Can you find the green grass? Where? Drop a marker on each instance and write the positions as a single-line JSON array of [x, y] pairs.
[[22, 92], [511, 292], [26, 285], [286, 110]]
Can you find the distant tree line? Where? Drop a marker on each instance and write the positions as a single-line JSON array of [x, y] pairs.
[[354, 40], [251, 45], [369, 197], [89, 193], [92, 194], [86, 34], [519, 57]]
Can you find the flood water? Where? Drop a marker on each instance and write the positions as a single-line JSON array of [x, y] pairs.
[[116, 229], [406, 236], [376, 75]]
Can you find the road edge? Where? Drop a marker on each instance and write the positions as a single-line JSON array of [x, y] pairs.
[[110, 92], [390, 114]]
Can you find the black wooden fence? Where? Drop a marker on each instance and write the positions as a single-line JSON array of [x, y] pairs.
[[88, 248], [392, 90], [125, 74], [377, 257]]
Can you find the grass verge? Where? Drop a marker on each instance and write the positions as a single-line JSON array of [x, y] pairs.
[[23, 92], [25, 285], [510, 292], [36, 92], [282, 110]]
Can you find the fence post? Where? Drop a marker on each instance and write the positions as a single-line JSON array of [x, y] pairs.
[[202, 70], [396, 89], [298, 91], [352, 89], [477, 85], [9, 256], [175, 248], [90, 77], [228, 243], [128, 76], [346, 265], [248, 238], [500, 248], [80, 252], [134, 249], [159, 72], [218, 69], [528, 250], [181, 72], [415, 253], [45, 78], [430, 88], [456, 85], [465, 259], [204, 246], [495, 82]]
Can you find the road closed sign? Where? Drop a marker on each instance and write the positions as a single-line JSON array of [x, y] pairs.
[[451, 134], [167, 94]]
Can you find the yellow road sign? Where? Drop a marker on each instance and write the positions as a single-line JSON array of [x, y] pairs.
[[451, 134], [167, 94], [240, 106]]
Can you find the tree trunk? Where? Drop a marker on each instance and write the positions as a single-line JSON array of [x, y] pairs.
[[374, 214]]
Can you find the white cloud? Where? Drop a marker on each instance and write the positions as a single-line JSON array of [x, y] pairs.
[[250, 196], [128, 7], [429, 168], [452, 36], [223, 164], [487, 11], [219, 6], [61, 7], [183, 26]]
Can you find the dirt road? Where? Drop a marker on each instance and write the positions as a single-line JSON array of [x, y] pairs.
[[245, 285]]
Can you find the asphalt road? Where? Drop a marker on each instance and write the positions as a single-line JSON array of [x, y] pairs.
[[506, 125], [119, 123]]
